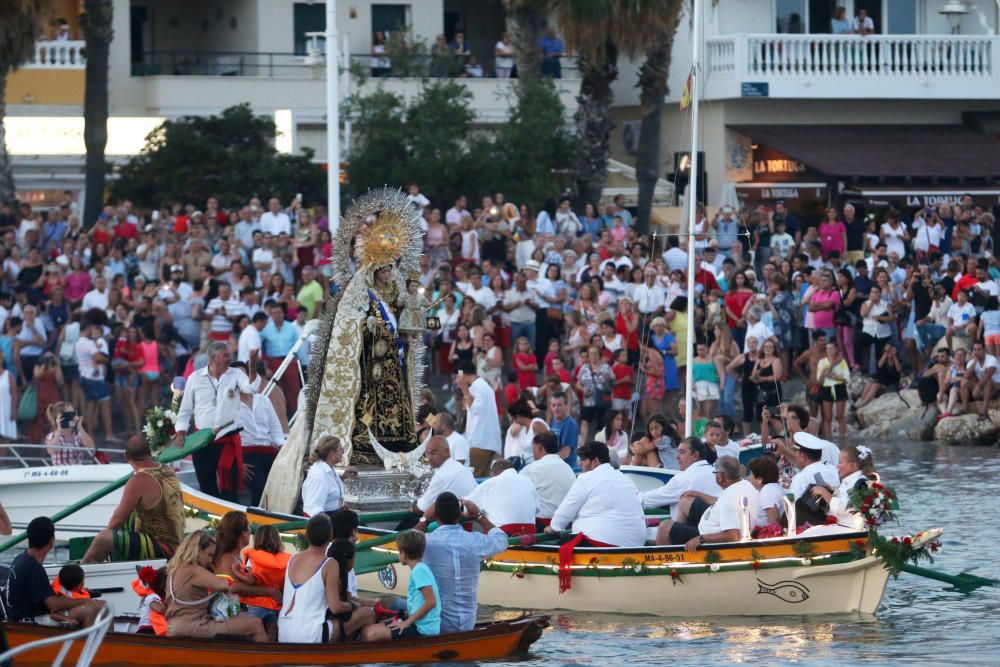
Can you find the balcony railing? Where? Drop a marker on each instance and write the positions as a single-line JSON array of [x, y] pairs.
[[58, 55], [852, 55], [291, 65]]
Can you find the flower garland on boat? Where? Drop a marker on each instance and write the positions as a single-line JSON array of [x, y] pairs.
[[159, 428], [877, 505]]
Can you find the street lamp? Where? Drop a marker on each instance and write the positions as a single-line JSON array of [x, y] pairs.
[[954, 10]]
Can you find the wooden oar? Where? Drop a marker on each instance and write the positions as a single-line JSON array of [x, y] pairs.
[[194, 442], [363, 519], [964, 582]]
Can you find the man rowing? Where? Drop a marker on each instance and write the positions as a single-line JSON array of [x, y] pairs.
[[149, 520], [603, 506], [721, 522], [508, 498], [695, 459]]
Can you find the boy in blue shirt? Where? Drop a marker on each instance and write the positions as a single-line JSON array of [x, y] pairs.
[[422, 609]]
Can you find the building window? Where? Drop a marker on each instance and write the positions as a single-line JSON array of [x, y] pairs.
[[901, 18], [307, 18], [389, 19], [790, 16]]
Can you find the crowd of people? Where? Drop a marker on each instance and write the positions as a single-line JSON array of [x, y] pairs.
[[570, 312]]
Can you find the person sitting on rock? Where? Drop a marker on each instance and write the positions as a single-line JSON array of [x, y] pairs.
[[982, 378]]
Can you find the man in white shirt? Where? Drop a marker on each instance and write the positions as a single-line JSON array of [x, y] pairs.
[[863, 24], [675, 258], [475, 290], [92, 356], [603, 505], [211, 398], [696, 474], [981, 381], [650, 298], [97, 297], [444, 423], [961, 319], [550, 474], [261, 437], [482, 422], [449, 475], [223, 311], [756, 327], [808, 457], [249, 341], [263, 259], [275, 221], [519, 302], [726, 519], [508, 499]]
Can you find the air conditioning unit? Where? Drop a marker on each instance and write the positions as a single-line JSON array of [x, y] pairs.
[[630, 136]]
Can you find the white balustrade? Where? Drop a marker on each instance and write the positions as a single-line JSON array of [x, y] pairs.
[[818, 56], [58, 55]]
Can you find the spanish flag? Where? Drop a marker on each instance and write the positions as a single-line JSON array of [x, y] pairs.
[[686, 93]]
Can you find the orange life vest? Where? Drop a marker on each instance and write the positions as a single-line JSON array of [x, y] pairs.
[[269, 570], [156, 619], [59, 589]]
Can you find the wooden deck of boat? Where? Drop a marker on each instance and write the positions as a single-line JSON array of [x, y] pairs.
[[494, 640]]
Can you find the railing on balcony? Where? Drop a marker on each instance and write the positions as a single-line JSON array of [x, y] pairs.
[[58, 55], [781, 56], [291, 65]]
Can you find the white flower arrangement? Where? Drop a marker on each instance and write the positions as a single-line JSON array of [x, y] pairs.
[[159, 428]]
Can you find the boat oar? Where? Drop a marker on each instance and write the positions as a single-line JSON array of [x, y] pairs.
[[363, 519], [194, 442], [964, 581]]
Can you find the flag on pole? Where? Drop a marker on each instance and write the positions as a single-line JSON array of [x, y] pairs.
[[686, 94]]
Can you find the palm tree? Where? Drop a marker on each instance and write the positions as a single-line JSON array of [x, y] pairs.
[[587, 28], [524, 23], [654, 25], [19, 23], [97, 18]]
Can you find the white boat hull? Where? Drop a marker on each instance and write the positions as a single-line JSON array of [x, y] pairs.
[[31, 492], [855, 587]]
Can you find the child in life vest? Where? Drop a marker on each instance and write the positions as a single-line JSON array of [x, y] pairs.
[[151, 587], [265, 565], [69, 584]]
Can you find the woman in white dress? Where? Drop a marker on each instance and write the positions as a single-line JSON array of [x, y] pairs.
[[856, 466], [8, 402]]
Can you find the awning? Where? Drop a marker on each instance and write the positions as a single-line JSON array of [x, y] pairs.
[[915, 196], [621, 180], [952, 151]]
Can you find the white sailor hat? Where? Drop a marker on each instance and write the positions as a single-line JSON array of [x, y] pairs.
[[804, 440]]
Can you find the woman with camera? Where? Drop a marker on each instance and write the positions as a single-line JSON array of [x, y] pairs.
[[68, 438], [856, 466]]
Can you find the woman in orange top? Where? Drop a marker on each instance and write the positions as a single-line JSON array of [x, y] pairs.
[[264, 565], [233, 535]]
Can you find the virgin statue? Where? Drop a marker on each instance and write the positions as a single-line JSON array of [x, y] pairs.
[[367, 363]]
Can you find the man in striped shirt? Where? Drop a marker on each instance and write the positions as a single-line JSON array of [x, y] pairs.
[[224, 309]]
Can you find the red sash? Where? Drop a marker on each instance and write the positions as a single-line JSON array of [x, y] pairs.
[[232, 455], [566, 558], [518, 529]]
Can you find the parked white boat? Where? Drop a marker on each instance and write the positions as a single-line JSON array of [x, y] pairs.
[[43, 491]]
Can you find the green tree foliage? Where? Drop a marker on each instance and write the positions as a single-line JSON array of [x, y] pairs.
[[434, 141], [230, 156]]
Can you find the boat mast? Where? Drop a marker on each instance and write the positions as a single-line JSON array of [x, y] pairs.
[[692, 203]]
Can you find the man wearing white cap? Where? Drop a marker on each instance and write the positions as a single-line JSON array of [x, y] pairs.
[[809, 454]]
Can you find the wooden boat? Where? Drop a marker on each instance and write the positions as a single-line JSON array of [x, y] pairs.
[[485, 642], [826, 574]]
